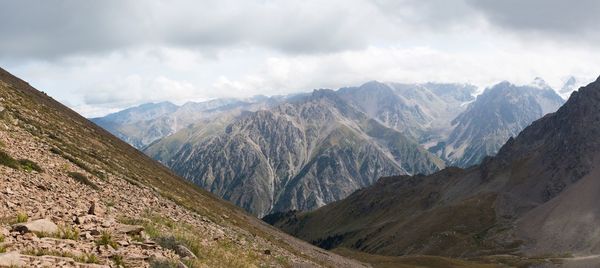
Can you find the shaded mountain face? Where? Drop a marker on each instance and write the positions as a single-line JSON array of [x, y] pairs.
[[144, 124], [536, 197], [501, 112], [307, 152], [68, 181]]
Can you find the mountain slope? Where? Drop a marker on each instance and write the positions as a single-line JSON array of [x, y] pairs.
[[68, 163], [501, 112], [525, 200], [307, 152], [144, 124], [420, 111]]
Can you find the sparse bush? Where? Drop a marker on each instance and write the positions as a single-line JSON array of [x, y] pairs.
[[22, 217], [162, 264], [29, 165], [7, 160], [67, 232], [2, 238], [91, 258], [83, 179], [107, 240], [118, 260]]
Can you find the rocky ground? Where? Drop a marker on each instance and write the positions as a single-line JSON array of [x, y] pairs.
[[49, 218]]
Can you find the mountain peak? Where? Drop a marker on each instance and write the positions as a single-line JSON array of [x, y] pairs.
[[540, 83]]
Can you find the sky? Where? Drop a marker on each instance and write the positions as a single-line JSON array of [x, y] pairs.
[[99, 57]]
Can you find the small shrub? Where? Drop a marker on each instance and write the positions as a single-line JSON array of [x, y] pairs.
[[91, 258], [8, 161], [118, 260], [22, 217], [67, 232], [2, 249], [2, 238], [29, 165], [83, 179], [107, 240], [162, 264]]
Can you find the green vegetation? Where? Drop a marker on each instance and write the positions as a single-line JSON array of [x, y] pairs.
[[90, 258], [106, 240], [85, 258], [118, 260], [162, 264], [29, 165], [83, 179], [8, 161], [25, 164], [22, 217], [78, 163], [68, 232], [221, 253]]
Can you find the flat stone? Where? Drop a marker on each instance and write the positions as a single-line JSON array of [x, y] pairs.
[[130, 229], [11, 259], [41, 226]]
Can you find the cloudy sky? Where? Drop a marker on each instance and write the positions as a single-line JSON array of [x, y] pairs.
[[101, 56]]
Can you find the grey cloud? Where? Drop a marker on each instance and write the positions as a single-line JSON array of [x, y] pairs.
[[553, 17], [51, 29]]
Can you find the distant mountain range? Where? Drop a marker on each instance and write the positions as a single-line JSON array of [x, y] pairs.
[[307, 150], [536, 197], [501, 112]]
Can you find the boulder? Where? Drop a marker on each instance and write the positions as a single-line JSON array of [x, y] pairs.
[[130, 229], [11, 259], [36, 226], [184, 252]]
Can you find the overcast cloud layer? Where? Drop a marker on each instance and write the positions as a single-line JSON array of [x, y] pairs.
[[101, 56]]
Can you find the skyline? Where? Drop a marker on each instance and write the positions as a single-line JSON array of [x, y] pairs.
[[100, 57]]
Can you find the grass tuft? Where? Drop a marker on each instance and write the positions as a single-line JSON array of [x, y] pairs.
[[29, 165], [118, 260], [7, 160], [106, 239], [22, 217], [83, 179], [68, 232]]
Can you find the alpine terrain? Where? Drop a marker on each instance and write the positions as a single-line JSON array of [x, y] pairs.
[[72, 195], [533, 203], [306, 152], [501, 112]]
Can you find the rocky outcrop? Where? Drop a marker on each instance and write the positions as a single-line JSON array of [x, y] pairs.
[[37, 226]]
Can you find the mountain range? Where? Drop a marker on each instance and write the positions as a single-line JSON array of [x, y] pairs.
[[303, 151], [536, 197], [73, 195]]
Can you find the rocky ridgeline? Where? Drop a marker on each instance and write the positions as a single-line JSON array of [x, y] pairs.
[[53, 218]]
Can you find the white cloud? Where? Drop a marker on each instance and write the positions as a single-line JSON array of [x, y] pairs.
[[101, 56]]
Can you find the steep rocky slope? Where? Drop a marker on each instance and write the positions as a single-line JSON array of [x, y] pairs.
[[501, 112], [536, 197], [309, 151], [86, 199]]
